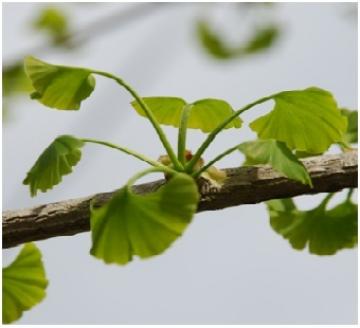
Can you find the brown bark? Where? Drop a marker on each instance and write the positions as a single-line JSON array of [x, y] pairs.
[[245, 185]]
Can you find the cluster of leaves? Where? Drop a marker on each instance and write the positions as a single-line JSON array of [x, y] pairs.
[[115, 237], [324, 231], [131, 225]]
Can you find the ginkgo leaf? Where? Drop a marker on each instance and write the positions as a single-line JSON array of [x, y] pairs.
[[351, 134], [54, 22], [276, 154], [23, 283], [205, 114], [306, 120], [324, 231], [58, 86], [55, 162], [143, 225], [216, 45]]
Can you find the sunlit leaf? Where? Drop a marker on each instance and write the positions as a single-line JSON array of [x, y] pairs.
[[54, 22], [24, 283], [216, 45], [276, 154], [351, 135], [57, 86], [205, 114], [306, 120], [324, 231], [143, 225], [55, 162]]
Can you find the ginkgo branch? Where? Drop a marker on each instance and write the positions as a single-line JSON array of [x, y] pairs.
[[245, 185]]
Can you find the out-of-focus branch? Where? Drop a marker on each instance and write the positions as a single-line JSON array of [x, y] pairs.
[[92, 30]]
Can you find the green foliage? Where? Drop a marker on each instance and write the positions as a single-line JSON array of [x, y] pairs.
[[55, 162], [276, 154], [131, 224], [53, 21], [217, 47], [205, 114], [351, 135], [57, 86], [324, 231], [23, 283], [306, 120]]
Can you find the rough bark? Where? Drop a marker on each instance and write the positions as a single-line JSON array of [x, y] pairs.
[[245, 185]]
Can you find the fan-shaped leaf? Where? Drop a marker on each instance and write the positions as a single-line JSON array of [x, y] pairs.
[[324, 231], [131, 224], [24, 283], [55, 162], [57, 86], [205, 114], [306, 120], [278, 156]]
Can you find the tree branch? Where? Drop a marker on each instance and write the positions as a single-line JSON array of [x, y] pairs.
[[245, 185]]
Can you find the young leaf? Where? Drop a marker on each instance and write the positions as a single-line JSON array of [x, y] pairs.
[[324, 231], [276, 154], [57, 86], [131, 224], [351, 135], [55, 162], [24, 283], [205, 114], [306, 120]]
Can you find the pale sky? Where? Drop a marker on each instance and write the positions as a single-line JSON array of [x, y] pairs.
[[230, 267]]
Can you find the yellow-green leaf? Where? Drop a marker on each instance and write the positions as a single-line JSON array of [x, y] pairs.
[[306, 120], [54, 22], [58, 86], [55, 162], [24, 283], [276, 154], [205, 114], [143, 225]]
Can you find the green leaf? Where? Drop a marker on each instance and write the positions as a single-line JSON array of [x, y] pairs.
[[216, 46], [55, 23], [205, 114], [306, 120], [324, 231], [131, 224], [276, 154], [24, 283], [57, 86], [262, 39], [55, 162], [15, 80], [351, 135]]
